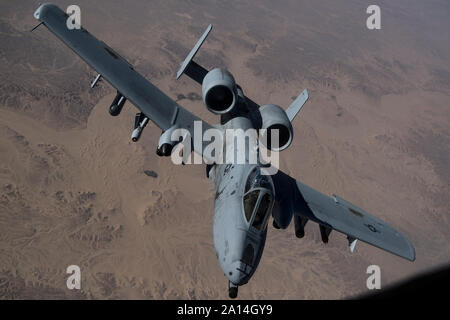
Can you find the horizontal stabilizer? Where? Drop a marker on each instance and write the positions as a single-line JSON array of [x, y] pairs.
[[298, 103], [189, 67]]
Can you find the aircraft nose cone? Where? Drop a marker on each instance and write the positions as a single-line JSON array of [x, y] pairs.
[[238, 273]]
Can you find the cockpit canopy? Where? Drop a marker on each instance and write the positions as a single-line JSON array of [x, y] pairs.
[[258, 199], [257, 180]]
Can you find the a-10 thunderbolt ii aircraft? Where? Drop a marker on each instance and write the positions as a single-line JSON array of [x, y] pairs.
[[245, 198]]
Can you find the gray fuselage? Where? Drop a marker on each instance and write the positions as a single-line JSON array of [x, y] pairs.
[[243, 202]]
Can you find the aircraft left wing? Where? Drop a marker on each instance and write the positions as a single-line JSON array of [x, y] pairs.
[[156, 105], [334, 213]]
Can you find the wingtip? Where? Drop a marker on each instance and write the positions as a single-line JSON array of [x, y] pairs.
[[412, 257], [306, 93], [411, 254]]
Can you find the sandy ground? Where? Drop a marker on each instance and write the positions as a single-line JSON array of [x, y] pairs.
[[73, 188]]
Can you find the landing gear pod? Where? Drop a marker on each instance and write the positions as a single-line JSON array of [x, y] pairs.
[[165, 143]]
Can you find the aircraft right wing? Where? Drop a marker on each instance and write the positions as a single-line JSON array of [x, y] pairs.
[[337, 214], [156, 105]]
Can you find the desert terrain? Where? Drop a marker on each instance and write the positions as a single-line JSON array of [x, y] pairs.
[[74, 189]]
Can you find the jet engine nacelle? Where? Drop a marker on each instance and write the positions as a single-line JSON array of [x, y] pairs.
[[282, 213], [219, 91], [274, 117]]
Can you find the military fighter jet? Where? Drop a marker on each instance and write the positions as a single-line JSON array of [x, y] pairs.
[[245, 198]]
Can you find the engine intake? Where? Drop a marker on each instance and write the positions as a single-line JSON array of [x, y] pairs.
[[219, 91], [275, 118]]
